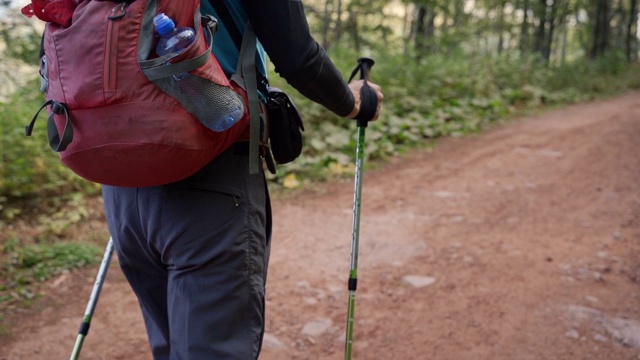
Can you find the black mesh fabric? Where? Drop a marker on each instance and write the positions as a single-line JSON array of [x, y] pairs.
[[216, 107]]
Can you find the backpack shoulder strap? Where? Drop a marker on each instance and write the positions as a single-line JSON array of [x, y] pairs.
[[246, 76]]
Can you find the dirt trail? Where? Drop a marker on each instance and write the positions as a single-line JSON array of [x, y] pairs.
[[519, 243]]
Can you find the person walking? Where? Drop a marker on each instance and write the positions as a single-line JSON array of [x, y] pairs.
[[196, 251]]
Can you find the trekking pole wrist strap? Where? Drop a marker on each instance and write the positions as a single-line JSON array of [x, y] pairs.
[[368, 96]]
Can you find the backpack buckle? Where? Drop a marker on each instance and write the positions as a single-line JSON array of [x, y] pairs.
[[210, 22]]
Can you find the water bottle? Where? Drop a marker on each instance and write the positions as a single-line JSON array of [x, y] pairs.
[[172, 38], [217, 107]]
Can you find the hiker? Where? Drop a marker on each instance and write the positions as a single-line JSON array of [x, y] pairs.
[[196, 251]]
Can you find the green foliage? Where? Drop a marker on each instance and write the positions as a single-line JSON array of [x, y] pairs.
[[25, 266], [444, 96], [605, 75], [28, 167], [21, 36]]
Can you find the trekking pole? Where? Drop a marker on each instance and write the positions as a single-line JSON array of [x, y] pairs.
[[368, 105], [93, 300]]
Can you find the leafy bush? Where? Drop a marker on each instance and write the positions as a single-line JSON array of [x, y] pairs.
[[441, 95], [28, 167], [24, 266], [445, 96]]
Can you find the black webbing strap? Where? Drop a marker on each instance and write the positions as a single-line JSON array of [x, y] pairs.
[[246, 76], [368, 96], [57, 142], [246, 73]]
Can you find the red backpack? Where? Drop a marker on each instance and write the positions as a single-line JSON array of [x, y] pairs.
[[116, 116]]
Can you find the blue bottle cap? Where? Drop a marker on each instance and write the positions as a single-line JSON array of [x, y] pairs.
[[163, 23]]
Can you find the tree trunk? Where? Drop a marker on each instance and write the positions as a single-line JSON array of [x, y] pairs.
[[552, 20], [620, 25], [563, 52], [601, 29], [524, 28], [501, 27], [407, 28], [326, 23], [425, 30], [539, 40], [355, 33], [431, 31], [632, 31], [420, 46], [459, 10], [338, 30]]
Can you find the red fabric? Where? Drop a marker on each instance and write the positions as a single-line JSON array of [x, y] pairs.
[[55, 11], [126, 130]]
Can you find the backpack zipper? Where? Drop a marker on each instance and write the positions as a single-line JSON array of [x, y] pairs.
[[111, 51]]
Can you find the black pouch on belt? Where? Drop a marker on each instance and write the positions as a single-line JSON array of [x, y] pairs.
[[285, 127]]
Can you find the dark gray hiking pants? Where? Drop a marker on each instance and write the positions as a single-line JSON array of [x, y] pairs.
[[196, 254]]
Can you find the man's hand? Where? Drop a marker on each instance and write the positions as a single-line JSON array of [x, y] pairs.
[[355, 87]]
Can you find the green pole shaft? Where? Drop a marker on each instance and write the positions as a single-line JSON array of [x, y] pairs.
[[93, 301], [75, 355], [355, 239]]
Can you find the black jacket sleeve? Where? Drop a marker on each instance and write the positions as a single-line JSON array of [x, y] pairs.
[[282, 28]]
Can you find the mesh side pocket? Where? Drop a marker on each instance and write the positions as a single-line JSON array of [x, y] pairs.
[[217, 107]]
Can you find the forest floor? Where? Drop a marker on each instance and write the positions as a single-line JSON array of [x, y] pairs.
[[522, 242]]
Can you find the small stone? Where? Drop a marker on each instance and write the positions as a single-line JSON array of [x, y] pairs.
[[316, 327], [600, 337], [271, 341], [418, 281], [551, 153], [598, 276], [573, 334], [512, 219], [303, 284], [444, 194], [310, 300]]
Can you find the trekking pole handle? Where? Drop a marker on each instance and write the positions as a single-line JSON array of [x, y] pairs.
[[368, 97], [365, 64]]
